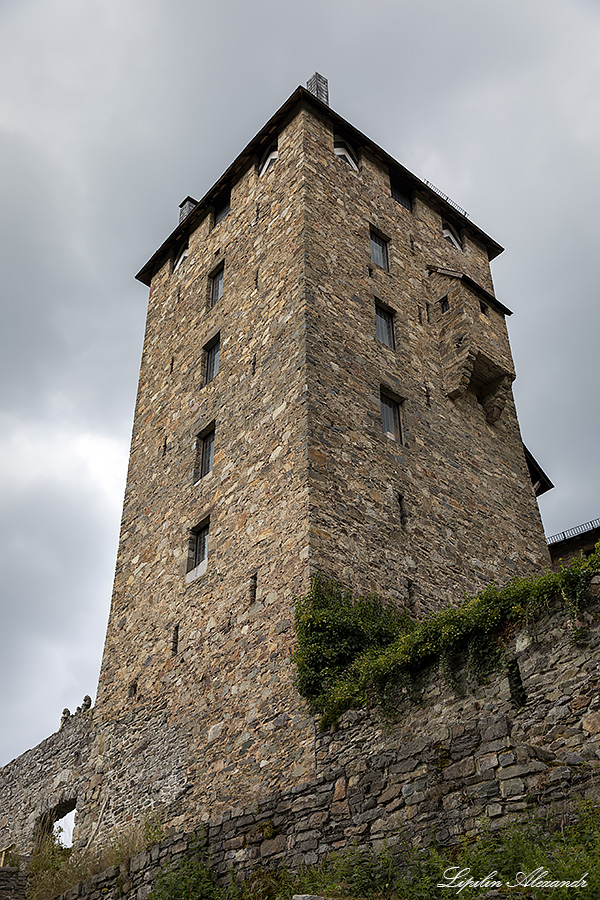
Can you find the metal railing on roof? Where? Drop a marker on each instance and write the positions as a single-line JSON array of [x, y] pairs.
[[572, 532], [445, 197]]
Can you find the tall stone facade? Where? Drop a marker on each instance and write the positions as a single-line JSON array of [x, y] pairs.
[[325, 386]]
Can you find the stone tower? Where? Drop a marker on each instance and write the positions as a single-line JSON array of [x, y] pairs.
[[325, 386]]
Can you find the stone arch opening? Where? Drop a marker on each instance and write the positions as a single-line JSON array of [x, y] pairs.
[[57, 817]]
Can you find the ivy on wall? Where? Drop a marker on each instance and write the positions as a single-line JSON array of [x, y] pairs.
[[354, 651]]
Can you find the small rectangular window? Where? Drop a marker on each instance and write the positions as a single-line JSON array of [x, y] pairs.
[[384, 326], [206, 450], [444, 304], [401, 196], [200, 545], [391, 418], [212, 359], [216, 284], [222, 208], [379, 251]]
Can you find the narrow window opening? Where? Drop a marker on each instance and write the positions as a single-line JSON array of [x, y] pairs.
[[212, 351], [216, 284], [391, 418], [200, 545], [345, 152], [175, 640], [180, 257], [401, 196], [252, 588], [268, 159], [384, 326], [451, 235], [402, 506], [483, 307], [444, 304], [133, 687], [205, 451], [379, 251], [515, 684], [222, 207]]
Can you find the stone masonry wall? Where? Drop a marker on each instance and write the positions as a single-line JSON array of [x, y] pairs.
[[467, 513], [447, 767], [55, 773]]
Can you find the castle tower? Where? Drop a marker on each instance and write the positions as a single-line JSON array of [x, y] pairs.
[[325, 386]]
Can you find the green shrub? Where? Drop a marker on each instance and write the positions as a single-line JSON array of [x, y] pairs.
[[351, 651], [191, 878]]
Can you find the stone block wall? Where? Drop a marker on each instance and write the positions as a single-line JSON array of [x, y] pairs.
[[457, 762], [449, 507], [44, 780]]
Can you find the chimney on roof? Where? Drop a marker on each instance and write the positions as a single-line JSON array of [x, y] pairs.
[[185, 208], [319, 86]]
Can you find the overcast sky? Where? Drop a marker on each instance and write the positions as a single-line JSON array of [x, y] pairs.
[[112, 111]]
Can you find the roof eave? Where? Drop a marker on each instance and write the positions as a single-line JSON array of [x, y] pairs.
[[248, 155]]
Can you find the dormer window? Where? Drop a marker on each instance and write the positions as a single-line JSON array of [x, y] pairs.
[[451, 235], [271, 155], [181, 256], [343, 149]]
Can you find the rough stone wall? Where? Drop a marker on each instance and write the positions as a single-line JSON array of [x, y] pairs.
[[468, 514], [225, 696], [43, 779], [450, 765], [13, 883]]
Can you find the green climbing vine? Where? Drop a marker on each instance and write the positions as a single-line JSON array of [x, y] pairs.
[[354, 651]]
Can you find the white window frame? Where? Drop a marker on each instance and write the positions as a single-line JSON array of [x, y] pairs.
[[343, 149], [269, 159], [451, 235]]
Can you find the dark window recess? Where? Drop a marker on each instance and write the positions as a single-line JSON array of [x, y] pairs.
[[402, 196], [216, 284], [200, 545], [222, 208], [252, 587], [391, 418], [175, 640], [483, 307], [206, 452], [403, 513], [379, 251], [444, 305], [212, 359], [515, 684], [384, 326], [133, 690]]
